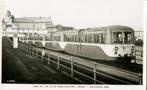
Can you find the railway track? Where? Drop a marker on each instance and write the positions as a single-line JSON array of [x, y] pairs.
[[84, 69]]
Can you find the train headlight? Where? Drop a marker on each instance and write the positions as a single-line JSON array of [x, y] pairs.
[[116, 49], [132, 48]]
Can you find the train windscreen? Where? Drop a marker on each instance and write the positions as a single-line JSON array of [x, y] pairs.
[[122, 37]]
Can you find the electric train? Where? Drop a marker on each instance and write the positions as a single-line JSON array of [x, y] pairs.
[[109, 43]]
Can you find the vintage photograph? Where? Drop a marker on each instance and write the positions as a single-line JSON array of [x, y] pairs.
[[76, 42]]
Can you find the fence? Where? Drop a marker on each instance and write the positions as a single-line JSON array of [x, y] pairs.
[[138, 57], [70, 67]]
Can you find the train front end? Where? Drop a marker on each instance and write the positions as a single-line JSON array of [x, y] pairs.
[[124, 53], [123, 44]]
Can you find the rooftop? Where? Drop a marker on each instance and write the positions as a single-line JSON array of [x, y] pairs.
[[32, 20]]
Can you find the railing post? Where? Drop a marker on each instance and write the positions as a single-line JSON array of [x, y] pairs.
[[36, 52], [49, 57], [23, 46], [94, 73], [135, 57], [42, 55], [58, 61], [72, 66], [32, 51], [27, 47], [140, 78], [18, 45]]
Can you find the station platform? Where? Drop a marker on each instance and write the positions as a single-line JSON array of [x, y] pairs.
[[21, 68]]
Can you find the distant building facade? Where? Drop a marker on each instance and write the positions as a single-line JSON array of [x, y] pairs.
[[27, 25], [139, 35]]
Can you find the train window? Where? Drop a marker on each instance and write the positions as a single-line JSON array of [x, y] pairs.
[[102, 38], [122, 37], [117, 37], [92, 38], [128, 37], [75, 38], [89, 38], [56, 38], [97, 38], [47, 38], [69, 38], [72, 38], [85, 38], [65, 37]]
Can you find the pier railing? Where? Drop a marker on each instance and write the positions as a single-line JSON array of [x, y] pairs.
[[71, 67]]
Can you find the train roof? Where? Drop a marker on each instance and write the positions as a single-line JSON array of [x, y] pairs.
[[105, 28], [110, 27], [119, 27]]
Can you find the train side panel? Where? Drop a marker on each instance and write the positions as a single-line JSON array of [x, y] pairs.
[[93, 52], [38, 44], [53, 46]]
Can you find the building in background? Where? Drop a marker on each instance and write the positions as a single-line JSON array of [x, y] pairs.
[[139, 35], [30, 25], [139, 38], [27, 25]]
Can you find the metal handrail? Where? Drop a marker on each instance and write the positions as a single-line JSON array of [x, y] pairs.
[[32, 51]]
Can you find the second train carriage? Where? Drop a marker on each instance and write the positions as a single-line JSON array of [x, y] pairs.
[[105, 43]]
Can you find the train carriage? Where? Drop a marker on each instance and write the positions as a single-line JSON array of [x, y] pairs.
[[107, 43], [55, 42]]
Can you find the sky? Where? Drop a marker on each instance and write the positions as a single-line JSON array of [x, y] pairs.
[[82, 13]]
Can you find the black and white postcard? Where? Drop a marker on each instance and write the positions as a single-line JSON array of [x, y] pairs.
[[73, 44]]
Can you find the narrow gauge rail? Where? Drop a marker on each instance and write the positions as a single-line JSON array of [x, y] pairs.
[[85, 70]]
